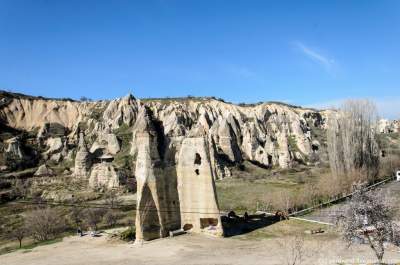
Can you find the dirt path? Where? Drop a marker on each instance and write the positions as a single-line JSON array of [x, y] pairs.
[[330, 214], [186, 250]]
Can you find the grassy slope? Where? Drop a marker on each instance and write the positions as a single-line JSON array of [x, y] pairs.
[[254, 184]]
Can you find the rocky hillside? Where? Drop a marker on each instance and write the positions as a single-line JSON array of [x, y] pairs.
[[97, 139]]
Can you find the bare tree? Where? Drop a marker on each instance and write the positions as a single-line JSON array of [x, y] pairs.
[[20, 188], [283, 201], [294, 250], [44, 223], [93, 217], [18, 233], [112, 199], [351, 139], [369, 215], [83, 98], [111, 218], [76, 216]]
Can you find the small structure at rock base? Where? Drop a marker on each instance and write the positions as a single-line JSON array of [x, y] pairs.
[[398, 175], [106, 158]]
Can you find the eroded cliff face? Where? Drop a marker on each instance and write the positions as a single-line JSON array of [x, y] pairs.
[[269, 134]]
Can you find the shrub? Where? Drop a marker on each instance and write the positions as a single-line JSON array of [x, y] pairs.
[[128, 235], [111, 218], [44, 224], [93, 217]]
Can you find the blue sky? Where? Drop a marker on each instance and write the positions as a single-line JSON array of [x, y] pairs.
[[313, 53]]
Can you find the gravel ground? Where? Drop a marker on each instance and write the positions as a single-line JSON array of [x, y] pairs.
[[190, 250]]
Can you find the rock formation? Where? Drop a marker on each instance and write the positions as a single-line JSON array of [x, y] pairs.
[[57, 148], [104, 175], [387, 126], [83, 160], [121, 111], [108, 141], [197, 195], [44, 171], [156, 213], [14, 148], [227, 141], [270, 134]]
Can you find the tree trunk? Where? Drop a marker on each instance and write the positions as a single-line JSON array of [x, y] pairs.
[[378, 252]]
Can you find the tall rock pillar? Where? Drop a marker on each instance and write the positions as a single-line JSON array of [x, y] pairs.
[[196, 187], [82, 159], [154, 214]]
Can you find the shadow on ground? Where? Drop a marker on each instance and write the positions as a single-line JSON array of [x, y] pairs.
[[234, 226]]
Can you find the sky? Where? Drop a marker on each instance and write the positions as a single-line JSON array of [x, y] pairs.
[[309, 53]]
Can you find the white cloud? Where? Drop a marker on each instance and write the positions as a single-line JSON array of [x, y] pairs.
[[388, 108], [326, 62]]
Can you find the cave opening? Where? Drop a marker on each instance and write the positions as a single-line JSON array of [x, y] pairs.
[[197, 159], [187, 227], [206, 222]]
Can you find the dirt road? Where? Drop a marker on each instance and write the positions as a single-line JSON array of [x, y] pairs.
[[187, 250]]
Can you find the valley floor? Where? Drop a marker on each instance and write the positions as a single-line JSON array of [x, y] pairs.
[[257, 247]]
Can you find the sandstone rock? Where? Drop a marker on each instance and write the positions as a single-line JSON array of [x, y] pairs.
[[121, 111], [57, 148], [256, 145], [174, 124], [284, 155], [83, 159], [227, 141], [107, 141], [55, 145], [104, 175], [249, 132], [387, 126], [14, 148], [197, 196], [44, 171], [155, 189]]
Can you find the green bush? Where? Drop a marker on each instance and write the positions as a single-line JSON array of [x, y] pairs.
[[128, 235]]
